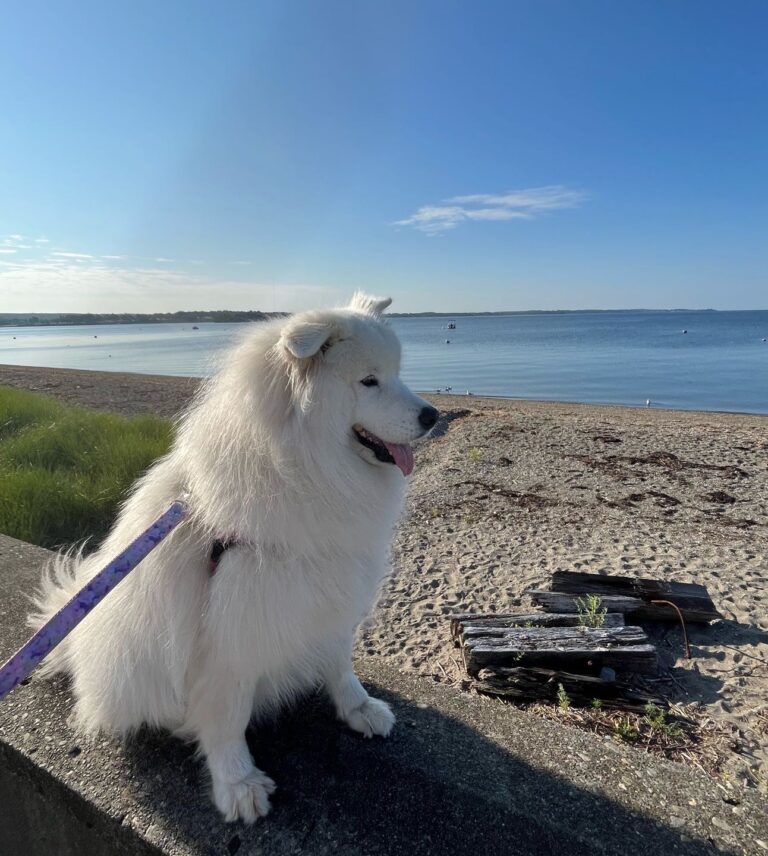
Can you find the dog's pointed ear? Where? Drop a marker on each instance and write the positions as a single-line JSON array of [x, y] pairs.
[[367, 304], [305, 338]]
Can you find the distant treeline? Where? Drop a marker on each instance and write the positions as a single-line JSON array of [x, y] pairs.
[[225, 315], [47, 320], [539, 312]]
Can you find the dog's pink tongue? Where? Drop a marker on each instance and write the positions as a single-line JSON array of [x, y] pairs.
[[403, 456]]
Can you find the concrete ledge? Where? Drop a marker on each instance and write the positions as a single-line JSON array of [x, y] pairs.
[[461, 775]]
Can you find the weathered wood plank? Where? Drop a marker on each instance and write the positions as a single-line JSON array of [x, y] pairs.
[[536, 684], [557, 601], [462, 621], [492, 616], [692, 599], [559, 637], [630, 658], [585, 649], [500, 628]]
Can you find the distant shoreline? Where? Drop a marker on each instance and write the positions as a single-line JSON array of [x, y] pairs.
[[225, 316], [131, 393], [87, 319]]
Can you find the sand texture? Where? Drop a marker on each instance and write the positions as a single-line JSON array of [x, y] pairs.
[[120, 392], [516, 490], [511, 491]]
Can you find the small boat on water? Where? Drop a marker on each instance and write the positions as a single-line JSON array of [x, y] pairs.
[[451, 325]]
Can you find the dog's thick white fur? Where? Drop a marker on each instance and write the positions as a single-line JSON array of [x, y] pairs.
[[269, 457]]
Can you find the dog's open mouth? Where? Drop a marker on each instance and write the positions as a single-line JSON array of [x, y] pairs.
[[399, 454]]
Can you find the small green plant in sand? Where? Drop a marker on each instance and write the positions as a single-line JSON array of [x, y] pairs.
[[475, 455], [625, 729], [64, 470], [563, 702], [596, 704], [657, 719], [591, 611]]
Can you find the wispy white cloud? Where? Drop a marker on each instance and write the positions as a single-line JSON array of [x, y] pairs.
[[65, 284], [12, 240], [33, 276], [513, 205]]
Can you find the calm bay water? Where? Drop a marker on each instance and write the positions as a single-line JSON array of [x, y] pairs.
[[721, 363]]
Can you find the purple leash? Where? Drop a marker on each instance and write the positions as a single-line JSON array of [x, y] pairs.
[[13, 672]]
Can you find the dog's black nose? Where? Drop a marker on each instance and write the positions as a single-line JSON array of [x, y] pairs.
[[427, 417]]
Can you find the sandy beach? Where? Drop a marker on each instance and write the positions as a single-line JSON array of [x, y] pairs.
[[516, 490], [510, 491]]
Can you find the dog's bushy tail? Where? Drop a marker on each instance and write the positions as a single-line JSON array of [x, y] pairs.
[[58, 585]]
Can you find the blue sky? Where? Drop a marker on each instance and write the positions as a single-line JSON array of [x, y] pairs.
[[456, 156]]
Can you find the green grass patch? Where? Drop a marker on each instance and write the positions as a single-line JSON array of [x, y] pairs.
[[64, 469]]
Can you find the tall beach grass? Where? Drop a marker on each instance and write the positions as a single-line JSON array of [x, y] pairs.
[[64, 469]]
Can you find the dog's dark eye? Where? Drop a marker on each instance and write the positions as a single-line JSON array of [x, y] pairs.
[[369, 381]]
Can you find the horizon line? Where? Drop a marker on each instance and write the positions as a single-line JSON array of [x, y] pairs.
[[424, 312]]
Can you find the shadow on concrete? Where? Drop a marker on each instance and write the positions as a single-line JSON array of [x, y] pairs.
[[435, 786]]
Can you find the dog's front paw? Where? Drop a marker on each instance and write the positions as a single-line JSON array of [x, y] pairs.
[[246, 799], [372, 717]]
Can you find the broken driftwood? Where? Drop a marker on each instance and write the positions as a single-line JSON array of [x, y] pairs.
[[691, 599], [471, 623], [560, 602], [585, 649], [521, 683], [580, 642]]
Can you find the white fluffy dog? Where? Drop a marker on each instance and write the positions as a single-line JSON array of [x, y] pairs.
[[294, 454]]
